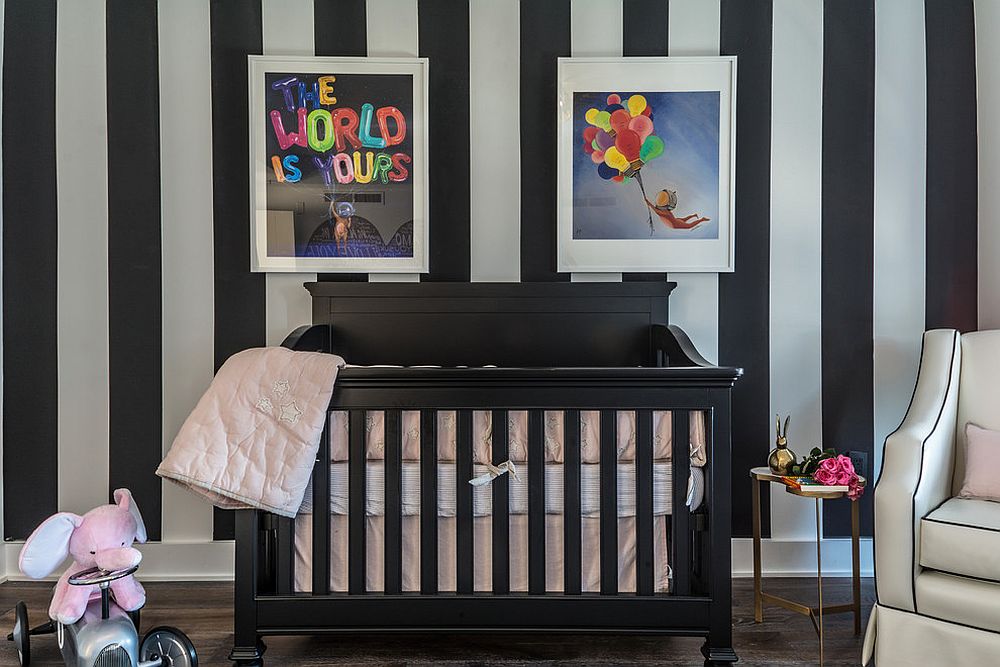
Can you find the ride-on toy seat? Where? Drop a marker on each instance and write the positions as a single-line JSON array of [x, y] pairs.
[[106, 635]]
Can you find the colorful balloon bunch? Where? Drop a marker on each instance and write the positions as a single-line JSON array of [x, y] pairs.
[[620, 138]]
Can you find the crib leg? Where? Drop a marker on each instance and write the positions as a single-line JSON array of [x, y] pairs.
[[718, 657], [248, 649]]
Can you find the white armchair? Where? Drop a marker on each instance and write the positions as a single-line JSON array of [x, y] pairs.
[[937, 557]]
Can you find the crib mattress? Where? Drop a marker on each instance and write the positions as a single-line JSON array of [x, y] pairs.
[[482, 544]]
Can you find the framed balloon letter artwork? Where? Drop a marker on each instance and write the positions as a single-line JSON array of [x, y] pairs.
[[338, 164], [647, 150]]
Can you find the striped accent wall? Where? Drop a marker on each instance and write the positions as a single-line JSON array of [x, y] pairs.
[[866, 210]]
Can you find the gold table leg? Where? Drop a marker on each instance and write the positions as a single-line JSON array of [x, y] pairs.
[[819, 579], [758, 598], [856, 564]]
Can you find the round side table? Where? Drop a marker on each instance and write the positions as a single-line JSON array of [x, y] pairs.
[[763, 476]]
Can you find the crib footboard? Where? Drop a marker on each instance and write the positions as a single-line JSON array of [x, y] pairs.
[[698, 602]]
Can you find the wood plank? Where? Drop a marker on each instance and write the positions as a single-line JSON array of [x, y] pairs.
[[571, 502], [501, 506]]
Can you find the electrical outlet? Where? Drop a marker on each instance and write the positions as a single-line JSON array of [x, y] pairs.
[[860, 461]]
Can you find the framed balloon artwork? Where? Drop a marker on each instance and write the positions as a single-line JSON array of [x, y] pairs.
[[646, 164], [338, 164]]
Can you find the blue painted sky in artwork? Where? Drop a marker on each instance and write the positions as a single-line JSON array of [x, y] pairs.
[[688, 124]]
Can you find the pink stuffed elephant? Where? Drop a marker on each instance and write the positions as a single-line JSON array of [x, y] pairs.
[[102, 537]]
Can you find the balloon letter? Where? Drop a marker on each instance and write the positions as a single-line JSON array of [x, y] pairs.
[[279, 173], [614, 98], [604, 140], [614, 159], [343, 168], [326, 90], [317, 143], [287, 139], [400, 172], [603, 119], [285, 86], [591, 117], [367, 140], [383, 115], [359, 175], [383, 163], [345, 125], [606, 172], [325, 167], [296, 174], [312, 96]]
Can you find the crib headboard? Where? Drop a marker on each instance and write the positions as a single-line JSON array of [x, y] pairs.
[[505, 324]]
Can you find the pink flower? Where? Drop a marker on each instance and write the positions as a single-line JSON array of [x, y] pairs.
[[856, 489], [824, 476]]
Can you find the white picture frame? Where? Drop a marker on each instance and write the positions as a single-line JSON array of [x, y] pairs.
[[596, 224], [279, 231]]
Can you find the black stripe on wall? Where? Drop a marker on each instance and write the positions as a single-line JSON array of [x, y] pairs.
[[644, 27], [744, 301], [239, 294], [340, 28], [952, 166], [848, 204], [134, 300], [644, 33], [29, 266], [444, 39], [545, 36]]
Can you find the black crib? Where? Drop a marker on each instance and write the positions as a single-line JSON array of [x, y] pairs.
[[555, 346]]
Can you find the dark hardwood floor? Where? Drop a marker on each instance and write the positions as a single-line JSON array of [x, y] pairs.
[[204, 612]]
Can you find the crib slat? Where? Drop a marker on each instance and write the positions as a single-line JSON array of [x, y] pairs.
[[536, 502], [465, 555], [609, 502], [321, 516], [428, 503], [357, 505], [393, 503], [644, 503], [285, 558], [571, 502], [680, 559], [501, 504]]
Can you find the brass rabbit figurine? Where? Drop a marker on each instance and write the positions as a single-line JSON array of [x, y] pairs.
[[782, 458]]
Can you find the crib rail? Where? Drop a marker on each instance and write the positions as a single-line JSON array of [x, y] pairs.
[[698, 602]]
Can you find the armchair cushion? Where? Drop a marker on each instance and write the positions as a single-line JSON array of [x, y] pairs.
[[982, 464], [962, 600], [962, 537]]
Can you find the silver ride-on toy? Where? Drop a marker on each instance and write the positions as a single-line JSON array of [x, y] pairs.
[[106, 635]]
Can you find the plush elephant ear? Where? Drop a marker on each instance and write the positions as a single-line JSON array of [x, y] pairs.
[[48, 546], [124, 500]]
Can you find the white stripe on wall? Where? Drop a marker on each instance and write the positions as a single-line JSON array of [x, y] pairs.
[[495, 180], [596, 30], [988, 85], [393, 30], [796, 242], [82, 251], [187, 240], [900, 181], [693, 30], [287, 31]]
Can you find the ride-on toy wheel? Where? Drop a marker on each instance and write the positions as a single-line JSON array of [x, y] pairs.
[[170, 644], [21, 634]]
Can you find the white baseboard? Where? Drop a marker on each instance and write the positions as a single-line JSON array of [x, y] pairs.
[[213, 561], [784, 558], [162, 561]]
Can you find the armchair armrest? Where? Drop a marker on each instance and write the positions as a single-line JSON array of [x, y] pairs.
[[917, 465]]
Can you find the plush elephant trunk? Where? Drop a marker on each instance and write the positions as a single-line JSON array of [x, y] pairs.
[[118, 558]]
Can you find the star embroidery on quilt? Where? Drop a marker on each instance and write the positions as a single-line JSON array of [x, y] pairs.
[[281, 387], [290, 413], [264, 405]]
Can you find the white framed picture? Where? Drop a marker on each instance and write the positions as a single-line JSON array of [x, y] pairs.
[[646, 164], [338, 164]]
